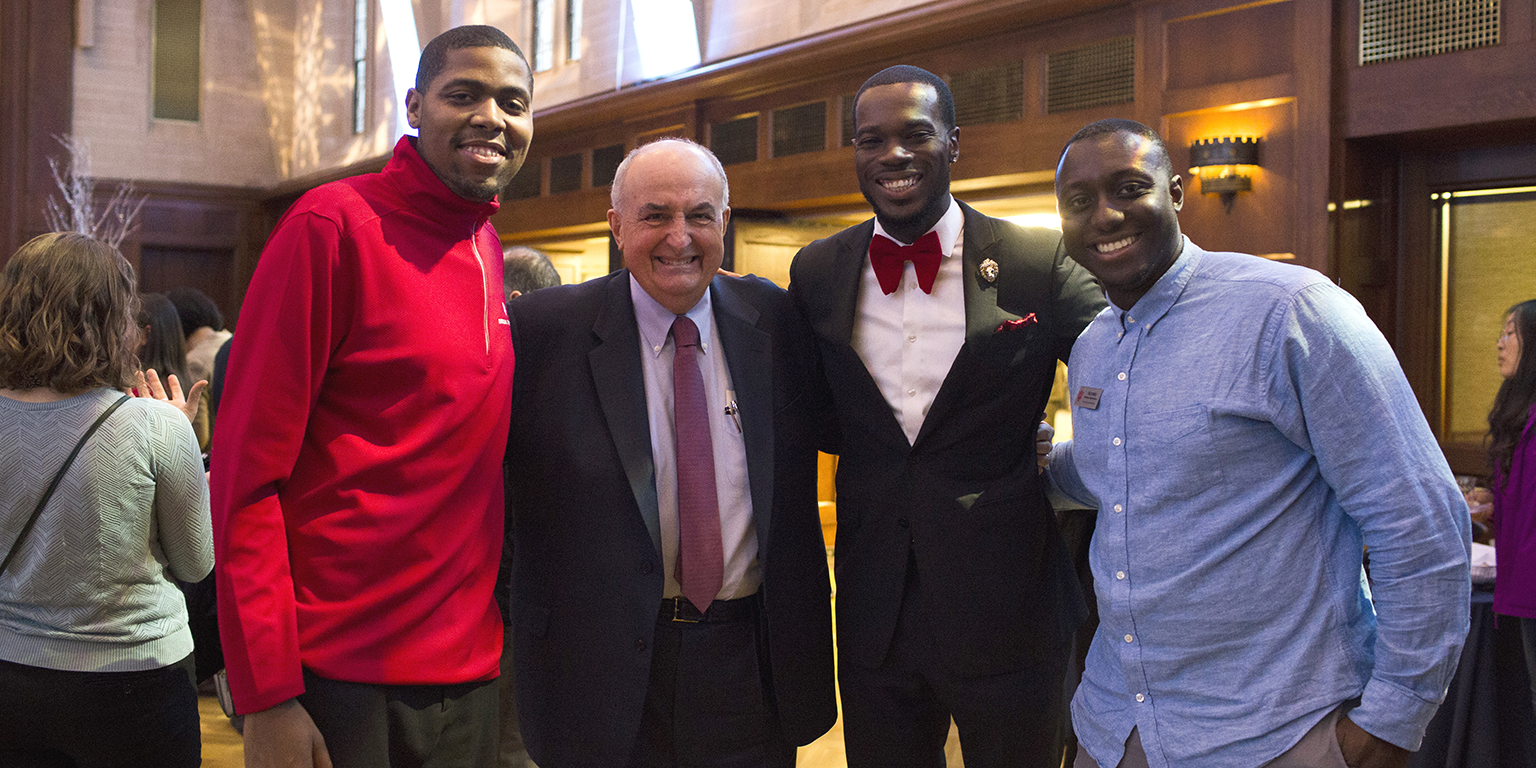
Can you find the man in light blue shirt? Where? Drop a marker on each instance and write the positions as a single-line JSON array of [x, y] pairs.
[[1244, 429]]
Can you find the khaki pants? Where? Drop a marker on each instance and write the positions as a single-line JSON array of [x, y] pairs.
[[1319, 748]]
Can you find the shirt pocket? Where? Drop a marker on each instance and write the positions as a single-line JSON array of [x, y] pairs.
[[1172, 454]]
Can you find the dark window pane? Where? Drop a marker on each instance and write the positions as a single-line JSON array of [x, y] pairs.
[[564, 174], [734, 141], [178, 58], [605, 162], [800, 129]]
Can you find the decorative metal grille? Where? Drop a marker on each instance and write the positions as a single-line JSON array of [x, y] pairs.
[[800, 129], [847, 118], [526, 183], [605, 163], [1403, 29], [564, 174], [734, 141], [1091, 76], [989, 94]]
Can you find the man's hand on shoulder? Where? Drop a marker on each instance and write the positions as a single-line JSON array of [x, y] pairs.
[[284, 737], [1363, 750]]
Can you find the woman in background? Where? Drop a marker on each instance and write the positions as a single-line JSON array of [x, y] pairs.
[[164, 349], [1512, 453], [95, 653]]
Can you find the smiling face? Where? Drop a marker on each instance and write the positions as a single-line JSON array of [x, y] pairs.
[[1509, 348], [902, 150], [475, 120], [1119, 208], [672, 226]]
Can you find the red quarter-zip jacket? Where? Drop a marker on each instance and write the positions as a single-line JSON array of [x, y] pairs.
[[356, 480]]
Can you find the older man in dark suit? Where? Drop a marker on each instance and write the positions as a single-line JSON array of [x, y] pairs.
[[939, 329], [670, 599]]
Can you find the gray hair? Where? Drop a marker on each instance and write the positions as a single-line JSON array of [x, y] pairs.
[[615, 198], [527, 269]]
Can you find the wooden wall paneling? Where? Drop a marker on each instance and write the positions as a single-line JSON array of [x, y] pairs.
[[37, 67], [1313, 58], [1365, 233], [1479, 85], [1418, 286], [1229, 45]]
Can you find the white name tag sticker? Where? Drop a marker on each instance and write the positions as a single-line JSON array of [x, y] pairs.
[[1088, 397]]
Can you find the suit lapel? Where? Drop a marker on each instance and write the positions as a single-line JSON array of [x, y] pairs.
[[847, 268], [749, 356], [620, 386], [982, 314]]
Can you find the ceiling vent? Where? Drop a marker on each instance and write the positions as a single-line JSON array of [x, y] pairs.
[[989, 94], [1403, 29], [1091, 76]]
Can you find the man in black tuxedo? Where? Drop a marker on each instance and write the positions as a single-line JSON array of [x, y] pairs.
[[955, 595], [621, 472]]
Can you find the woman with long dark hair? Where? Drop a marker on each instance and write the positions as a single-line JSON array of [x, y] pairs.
[[1512, 454], [102, 500], [164, 349]]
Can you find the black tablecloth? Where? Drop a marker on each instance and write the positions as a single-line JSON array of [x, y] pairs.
[[1486, 720]]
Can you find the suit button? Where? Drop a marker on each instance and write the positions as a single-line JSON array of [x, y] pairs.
[[902, 521], [645, 567], [640, 645]]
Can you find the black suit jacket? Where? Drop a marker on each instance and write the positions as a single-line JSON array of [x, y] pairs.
[[587, 571], [965, 498]]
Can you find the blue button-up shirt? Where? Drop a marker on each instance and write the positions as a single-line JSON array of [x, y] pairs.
[[1253, 431]]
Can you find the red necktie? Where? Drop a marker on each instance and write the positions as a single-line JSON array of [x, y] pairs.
[[889, 257], [700, 568]]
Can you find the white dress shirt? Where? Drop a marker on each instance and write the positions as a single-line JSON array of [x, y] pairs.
[[909, 339], [738, 532]]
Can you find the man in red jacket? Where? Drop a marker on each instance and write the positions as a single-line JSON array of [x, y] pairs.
[[357, 487]]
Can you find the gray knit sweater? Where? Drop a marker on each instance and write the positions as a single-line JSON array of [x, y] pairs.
[[89, 589]]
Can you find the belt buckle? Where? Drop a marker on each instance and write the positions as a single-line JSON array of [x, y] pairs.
[[677, 608]]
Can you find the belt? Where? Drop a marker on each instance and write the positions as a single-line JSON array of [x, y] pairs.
[[679, 609]]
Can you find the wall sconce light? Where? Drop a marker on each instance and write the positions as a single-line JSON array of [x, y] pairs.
[[1224, 166]]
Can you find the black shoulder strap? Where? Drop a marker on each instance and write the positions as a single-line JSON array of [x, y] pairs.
[[26, 529]]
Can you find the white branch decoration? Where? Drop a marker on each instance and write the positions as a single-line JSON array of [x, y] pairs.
[[76, 212]]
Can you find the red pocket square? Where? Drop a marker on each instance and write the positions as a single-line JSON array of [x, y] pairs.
[[1013, 325]]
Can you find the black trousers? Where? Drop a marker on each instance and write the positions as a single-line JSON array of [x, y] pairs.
[[897, 715], [51, 717], [708, 704], [404, 726]]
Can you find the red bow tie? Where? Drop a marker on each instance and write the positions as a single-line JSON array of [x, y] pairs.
[[889, 257]]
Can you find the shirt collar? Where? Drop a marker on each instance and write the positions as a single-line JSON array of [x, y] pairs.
[[655, 321], [948, 228], [1158, 299], [427, 193]]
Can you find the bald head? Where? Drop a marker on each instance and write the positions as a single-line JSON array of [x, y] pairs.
[[673, 145]]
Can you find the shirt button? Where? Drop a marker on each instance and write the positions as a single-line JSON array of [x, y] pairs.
[[911, 338], [1119, 508], [640, 645], [1122, 375], [1141, 697], [1132, 319], [911, 393], [1117, 441], [1120, 575], [1128, 638]]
